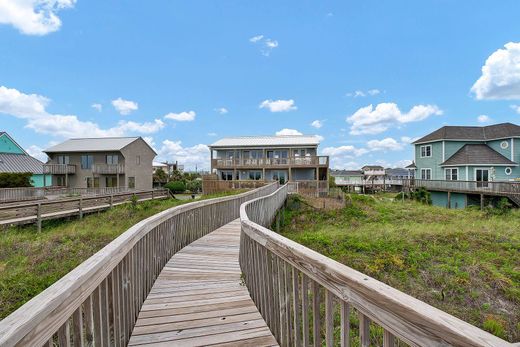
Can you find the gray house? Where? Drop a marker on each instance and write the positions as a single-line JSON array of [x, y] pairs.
[[124, 162]]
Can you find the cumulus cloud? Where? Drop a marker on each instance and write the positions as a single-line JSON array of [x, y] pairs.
[[212, 134], [278, 105], [384, 145], [483, 119], [266, 44], [361, 93], [32, 108], [97, 107], [181, 117], [286, 131], [190, 157], [500, 77], [516, 108], [124, 107], [370, 120], [37, 152], [33, 17], [222, 110], [317, 124]]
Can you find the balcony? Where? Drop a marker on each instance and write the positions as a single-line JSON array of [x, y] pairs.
[[59, 169], [108, 169], [314, 161]]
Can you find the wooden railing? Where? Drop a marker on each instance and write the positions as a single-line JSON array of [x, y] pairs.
[[311, 161], [108, 169], [59, 169], [289, 283], [34, 193], [491, 187], [218, 186], [98, 302]]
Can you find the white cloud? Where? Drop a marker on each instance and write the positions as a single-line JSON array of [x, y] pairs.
[[278, 105], [97, 107], [124, 107], [374, 92], [370, 120], [33, 17], [516, 108], [361, 93], [317, 124], [286, 131], [483, 119], [37, 152], [212, 134], [266, 44], [32, 108], [384, 145], [408, 140], [181, 117], [500, 77], [190, 157], [222, 110]]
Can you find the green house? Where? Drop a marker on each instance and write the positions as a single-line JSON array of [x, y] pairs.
[[474, 155], [14, 159]]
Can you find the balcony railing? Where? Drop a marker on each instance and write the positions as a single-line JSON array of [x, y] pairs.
[[312, 161], [59, 169], [108, 169], [484, 187]]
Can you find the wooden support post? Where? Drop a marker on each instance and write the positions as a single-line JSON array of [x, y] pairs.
[[481, 201], [80, 207], [152, 194], [111, 200], [449, 199], [39, 217], [66, 177]]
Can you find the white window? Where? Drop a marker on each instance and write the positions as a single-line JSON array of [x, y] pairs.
[[426, 174], [426, 151], [504, 144], [112, 159], [451, 174], [508, 171]]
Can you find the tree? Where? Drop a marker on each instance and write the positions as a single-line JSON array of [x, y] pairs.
[[176, 186], [194, 186], [176, 176], [160, 176]]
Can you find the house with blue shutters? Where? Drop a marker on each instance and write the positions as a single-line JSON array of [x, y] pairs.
[[14, 159], [462, 164]]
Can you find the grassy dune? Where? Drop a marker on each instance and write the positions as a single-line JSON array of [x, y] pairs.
[[464, 262]]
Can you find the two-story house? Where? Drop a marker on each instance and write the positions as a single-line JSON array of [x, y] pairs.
[[14, 159], [282, 158], [124, 162], [473, 154]]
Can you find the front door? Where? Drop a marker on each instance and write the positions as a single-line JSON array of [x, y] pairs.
[[482, 177]]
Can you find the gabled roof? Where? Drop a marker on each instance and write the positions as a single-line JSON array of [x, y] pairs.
[[20, 163], [346, 173], [14, 142], [412, 166], [477, 154], [256, 141], [372, 167], [99, 144], [472, 133]]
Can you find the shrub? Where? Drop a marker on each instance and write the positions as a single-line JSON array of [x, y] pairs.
[[194, 186], [176, 186], [422, 195], [14, 180]]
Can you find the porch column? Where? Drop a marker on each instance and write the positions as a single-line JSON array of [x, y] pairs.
[[66, 178], [290, 174], [449, 199], [481, 201]]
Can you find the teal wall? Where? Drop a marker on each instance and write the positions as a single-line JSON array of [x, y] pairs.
[[37, 180], [8, 146], [432, 162], [458, 200]]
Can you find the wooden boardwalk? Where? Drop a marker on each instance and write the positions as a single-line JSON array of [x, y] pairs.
[[199, 300]]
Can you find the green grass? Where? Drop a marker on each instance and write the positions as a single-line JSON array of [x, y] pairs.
[[464, 262], [31, 261]]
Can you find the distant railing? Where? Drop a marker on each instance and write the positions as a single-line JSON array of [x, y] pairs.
[[484, 187], [313, 187], [267, 162], [35, 193], [219, 186], [59, 169], [289, 283], [98, 302], [108, 169]]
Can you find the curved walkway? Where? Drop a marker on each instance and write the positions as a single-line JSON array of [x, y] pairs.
[[199, 300]]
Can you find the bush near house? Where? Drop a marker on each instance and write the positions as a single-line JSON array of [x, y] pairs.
[[176, 186], [464, 262], [15, 180]]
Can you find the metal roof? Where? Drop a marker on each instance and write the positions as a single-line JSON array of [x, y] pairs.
[[398, 171], [254, 141], [20, 163], [475, 133], [100, 144], [477, 154]]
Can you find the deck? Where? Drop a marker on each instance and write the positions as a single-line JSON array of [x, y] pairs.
[[199, 299]]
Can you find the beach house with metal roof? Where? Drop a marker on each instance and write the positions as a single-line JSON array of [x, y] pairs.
[[14, 159], [282, 158], [478, 155], [124, 162]]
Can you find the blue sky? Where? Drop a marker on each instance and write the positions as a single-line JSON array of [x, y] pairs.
[[367, 76]]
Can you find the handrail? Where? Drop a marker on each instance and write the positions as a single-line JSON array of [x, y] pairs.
[[99, 300], [279, 271]]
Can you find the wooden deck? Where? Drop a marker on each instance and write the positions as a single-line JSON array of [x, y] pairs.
[[199, 299]]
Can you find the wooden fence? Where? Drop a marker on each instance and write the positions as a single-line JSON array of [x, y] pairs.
[[98, 302], [289, 283], [33, 193], [36, 212], [211, 186]]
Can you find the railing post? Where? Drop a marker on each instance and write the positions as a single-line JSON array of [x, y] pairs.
[[152, 193], [80, 207], [111, 200], [39, 217]]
